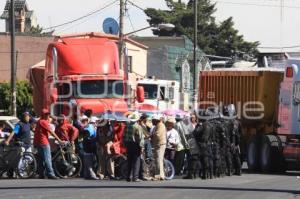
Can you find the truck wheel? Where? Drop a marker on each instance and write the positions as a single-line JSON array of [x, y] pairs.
[[253, 154], [271, 154]]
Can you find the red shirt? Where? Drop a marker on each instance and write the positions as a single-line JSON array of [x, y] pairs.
[[41, 134], [119, 130], [66, 132]]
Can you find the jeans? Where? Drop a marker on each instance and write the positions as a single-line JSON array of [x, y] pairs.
[[45, 162], [88, 160], [148, 148], [134, 159]]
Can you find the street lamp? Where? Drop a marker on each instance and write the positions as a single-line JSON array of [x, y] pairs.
[[162, 26]]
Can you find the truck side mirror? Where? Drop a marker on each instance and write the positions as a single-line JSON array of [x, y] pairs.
[[140, 94], [54, 95]]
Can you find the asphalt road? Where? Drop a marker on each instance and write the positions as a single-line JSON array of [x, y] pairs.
[[247, 186]]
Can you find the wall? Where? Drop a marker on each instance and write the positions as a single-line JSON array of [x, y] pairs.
[[139, 59], [31, 50]]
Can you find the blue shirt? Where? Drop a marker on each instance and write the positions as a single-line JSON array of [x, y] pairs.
[[92, 131], [17, 129]]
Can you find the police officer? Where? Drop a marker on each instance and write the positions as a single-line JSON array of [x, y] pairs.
[[235, 132], [194, 164], [202, 137]]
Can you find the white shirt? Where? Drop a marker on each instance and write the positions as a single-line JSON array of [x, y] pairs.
[[172, 138]]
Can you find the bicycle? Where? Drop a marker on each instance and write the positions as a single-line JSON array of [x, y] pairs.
[[66, 164], [14, 159], [149, 168]]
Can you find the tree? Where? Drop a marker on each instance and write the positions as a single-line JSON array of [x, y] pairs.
[[24, 97], [213, 38], [36, 30]]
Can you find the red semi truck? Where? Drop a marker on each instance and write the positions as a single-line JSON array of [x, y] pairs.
[[267, 103], [81, 72]]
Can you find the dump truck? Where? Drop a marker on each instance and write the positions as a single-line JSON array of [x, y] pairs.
[[267, 102], [81, 72]]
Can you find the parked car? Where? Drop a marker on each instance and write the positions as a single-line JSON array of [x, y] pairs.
[[10, 122]]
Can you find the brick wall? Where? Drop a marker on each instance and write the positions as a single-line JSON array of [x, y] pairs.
[[31, 50]]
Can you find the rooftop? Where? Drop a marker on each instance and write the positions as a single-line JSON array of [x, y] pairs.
[[19, 5]]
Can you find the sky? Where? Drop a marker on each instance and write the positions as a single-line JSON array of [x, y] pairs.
[[257, 20]]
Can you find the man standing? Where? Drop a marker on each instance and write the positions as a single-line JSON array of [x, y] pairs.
[[159, 141], [22, 131], [65, 131], [41, 141], [173, 141], [142, 124], [89, 148], [105, 138], [134, 142], [184, 148]]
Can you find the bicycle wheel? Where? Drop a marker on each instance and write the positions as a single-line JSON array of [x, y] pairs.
[[69, 167], [169, 170], [77, 164], [27, 166], [118, 161]]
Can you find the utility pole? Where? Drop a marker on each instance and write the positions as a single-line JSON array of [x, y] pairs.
[[195, 54], [123, 64], [13, 58], [121, 36]]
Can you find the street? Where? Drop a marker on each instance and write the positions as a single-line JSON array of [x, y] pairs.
[[243, 187]]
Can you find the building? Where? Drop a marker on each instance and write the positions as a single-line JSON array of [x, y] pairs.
[[171, 58], [30, 50], [25, 18]]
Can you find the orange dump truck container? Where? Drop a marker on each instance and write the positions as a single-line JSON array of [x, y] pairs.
[[255, 94]]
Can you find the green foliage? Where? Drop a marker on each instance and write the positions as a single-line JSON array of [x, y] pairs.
[[24, 97], [36, 30], [213, 38]]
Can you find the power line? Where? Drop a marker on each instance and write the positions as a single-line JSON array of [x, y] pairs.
[[142, 9], [77, 24], [82, 17], [256, 4], [128, 16]]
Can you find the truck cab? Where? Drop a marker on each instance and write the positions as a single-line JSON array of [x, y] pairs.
[[289, 113], [83, 73], [159, 94]]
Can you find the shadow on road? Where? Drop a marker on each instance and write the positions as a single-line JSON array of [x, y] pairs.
[[296, 192]]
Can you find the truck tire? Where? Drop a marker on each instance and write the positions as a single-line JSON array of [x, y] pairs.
[[253, 154], [271, 154]]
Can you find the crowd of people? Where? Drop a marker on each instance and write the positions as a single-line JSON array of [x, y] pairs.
[[205, 147]]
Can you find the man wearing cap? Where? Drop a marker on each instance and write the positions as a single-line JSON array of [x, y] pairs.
[[41, 142], [159, 141], [22, 131], [134, 142], [89, 148]]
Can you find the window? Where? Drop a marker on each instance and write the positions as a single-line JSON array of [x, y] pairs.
[[99, 89], [296, 92], [129, 63], [162, 93], [150, 90], [64, 90], [171, 93]]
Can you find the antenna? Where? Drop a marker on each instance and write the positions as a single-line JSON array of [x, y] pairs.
[[281, 24]]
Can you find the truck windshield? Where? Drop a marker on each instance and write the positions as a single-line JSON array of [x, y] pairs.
[[99, 89], [150, 91]]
